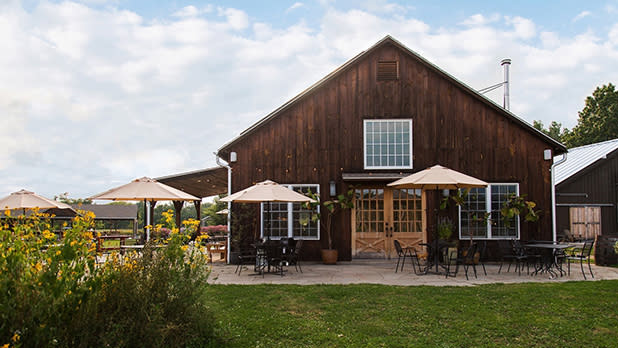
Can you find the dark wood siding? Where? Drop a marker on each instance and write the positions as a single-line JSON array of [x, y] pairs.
[[595, 185], [320, 136]]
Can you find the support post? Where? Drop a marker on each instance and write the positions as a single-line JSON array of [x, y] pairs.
[[177, 211]]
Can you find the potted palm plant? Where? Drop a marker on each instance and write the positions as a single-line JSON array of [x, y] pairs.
[[329, 209]]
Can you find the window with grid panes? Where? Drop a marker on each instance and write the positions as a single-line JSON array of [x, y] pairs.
[[407, 210], [370, 212], [488, 200], [388, 144], [284, 220]]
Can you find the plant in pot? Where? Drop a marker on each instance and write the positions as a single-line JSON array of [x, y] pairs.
[[328, 211], [445, 228], [519, 206]]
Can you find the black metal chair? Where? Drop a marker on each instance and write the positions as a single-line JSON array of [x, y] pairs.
[[293, 256], [274, 255], [512, 251], [245, 257], [482, 249], [463, 257], [402, 253], [585, 254], [528, 256]]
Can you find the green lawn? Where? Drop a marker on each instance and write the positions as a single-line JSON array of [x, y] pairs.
[[574, 314]]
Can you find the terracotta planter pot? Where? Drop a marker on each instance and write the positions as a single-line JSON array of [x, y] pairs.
[[329, 256]]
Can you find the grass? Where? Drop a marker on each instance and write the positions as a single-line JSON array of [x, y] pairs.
[[573, 314]]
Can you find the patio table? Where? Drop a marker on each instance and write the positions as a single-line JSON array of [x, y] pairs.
[[434, 250], [548, 257], [264, 257]]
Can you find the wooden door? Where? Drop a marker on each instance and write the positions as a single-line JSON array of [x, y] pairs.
[[585, 222], [381, 215], [408, 224]]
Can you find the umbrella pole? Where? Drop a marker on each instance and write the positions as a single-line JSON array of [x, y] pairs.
[[270, 226]]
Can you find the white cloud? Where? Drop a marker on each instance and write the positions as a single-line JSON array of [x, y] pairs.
[[295, 6], [192, 11], [581, 15], [94, 97], [523, 27], [383, 7], [613, 35], [236, 19], [479, 19]]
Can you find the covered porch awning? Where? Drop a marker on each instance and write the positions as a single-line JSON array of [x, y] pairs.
[[200, 183]]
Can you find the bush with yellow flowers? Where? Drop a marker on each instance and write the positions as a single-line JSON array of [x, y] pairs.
[[53, 293]]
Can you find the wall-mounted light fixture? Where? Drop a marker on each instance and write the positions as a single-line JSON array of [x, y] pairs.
[[332, 186], [446, 192], [547, 154]]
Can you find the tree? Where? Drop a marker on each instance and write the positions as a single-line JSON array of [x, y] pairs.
[[64, 198], [598, 121], [555, 130]]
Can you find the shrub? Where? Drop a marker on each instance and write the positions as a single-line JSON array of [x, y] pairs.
[[151, 301], [43, 282], [53, 294]]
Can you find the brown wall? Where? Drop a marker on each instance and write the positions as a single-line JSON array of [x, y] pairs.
[[595, 185], [320, 137]]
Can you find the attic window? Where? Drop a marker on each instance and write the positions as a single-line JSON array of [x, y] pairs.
[[388, 70]]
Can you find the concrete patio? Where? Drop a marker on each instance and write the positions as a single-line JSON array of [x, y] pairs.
[[383, 272]]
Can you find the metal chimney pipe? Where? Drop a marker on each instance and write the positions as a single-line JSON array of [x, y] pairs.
[[506, 63]]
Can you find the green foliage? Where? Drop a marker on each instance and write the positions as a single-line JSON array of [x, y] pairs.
[[152, 301], [598, 121], [445, 228], [518, 206], [555, 130], [457, 196], [64, 198], [52, 292], [243, 225], [43, 282], [209, 212], [331, 209]]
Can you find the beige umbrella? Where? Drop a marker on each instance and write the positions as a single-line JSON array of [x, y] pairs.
[[438, 178], [24, 199], [145, 189], [267, 191]]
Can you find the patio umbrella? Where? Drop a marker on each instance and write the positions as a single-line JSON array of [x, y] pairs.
[[438, 178], [145, 189], [24, 199], [267, 191]]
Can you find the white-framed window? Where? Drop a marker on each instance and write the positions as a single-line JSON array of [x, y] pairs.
[[481, 201], [387, 144], [285, 220]]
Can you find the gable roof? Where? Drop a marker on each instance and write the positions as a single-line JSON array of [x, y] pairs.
[[580, 158], [557, 147]]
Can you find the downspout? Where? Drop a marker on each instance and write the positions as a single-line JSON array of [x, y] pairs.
[[229, 204], [553, 196]]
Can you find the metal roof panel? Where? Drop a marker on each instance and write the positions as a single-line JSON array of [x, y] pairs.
[[579, 158]]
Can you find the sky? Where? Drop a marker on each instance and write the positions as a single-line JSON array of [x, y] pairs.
[[96, 93]]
